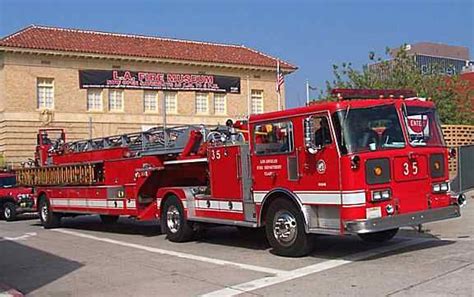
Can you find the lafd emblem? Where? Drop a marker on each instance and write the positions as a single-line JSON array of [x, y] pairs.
[[321, 166]]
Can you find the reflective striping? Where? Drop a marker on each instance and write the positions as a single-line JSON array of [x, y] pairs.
[[115, 204], [259, 196], [131, 204], [219, 205], [200, 160], [353, 198], [59, 202], [78, 202], [322, 197], [96, 203], [92, 203]]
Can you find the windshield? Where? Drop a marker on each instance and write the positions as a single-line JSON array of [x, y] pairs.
[[368, 129], [423, 126]]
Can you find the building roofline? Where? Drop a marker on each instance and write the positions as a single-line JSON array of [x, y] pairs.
[[82, 54], [289, 68]]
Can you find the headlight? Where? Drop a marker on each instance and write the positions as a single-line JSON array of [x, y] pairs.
[[386, 194], [380, 195], [444, 187], [440, 187]]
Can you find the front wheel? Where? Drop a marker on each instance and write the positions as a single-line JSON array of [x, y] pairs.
[[173, 221], [9, 212], [48, 218], [380, 236], [284, 227]]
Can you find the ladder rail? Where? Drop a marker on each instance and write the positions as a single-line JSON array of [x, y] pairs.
[[152, 139]]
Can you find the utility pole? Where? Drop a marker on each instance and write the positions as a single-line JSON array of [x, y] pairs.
[[249, 102], [307, 92]]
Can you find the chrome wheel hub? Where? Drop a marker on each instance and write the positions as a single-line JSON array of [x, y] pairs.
[[44, 212], [173, 219], [285, 228], [7, 212]]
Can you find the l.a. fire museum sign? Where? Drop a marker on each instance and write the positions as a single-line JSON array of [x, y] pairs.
[[158, 81]]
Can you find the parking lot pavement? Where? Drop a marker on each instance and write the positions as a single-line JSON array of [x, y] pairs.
[[85, 257]]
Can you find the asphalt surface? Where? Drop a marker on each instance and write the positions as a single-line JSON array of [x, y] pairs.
[[87, 258]]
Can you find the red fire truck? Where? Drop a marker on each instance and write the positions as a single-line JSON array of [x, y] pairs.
[[367, 164], [14, 200]]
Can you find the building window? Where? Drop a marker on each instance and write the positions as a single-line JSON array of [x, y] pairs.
[[150, 101], [220, 104], [116, 100], [257, 101], [171, 102], [94, 100], [202, 103], [45, 89]]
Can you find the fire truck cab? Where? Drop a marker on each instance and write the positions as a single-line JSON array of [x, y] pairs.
[[367, 164]]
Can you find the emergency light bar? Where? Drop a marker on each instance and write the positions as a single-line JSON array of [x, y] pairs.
[[347, 94]]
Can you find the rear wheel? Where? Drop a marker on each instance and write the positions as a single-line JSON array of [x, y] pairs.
[[173, 222], [381, 236], [284, 227], [48, 218], [108, 219], [9, 211]]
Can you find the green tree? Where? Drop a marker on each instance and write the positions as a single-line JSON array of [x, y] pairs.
[[451, 95]]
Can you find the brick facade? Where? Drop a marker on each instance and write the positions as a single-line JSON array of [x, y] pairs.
[[20, 118]]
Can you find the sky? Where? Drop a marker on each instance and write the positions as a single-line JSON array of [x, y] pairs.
[[313, 35]]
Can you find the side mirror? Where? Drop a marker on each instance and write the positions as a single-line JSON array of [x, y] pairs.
[[309, 138]]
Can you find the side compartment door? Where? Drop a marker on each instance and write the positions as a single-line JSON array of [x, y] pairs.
[[274, 158]]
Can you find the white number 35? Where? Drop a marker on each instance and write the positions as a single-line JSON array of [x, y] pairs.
[[406, 168], [215, 155]]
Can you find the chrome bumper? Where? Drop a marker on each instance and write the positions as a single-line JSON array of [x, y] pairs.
[[409, 219]]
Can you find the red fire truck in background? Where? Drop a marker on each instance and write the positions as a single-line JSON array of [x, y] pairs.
[[369, 163], [14, 200]]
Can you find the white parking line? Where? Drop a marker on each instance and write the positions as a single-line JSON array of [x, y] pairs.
[[304, 271], [18, 238], [173, 253]]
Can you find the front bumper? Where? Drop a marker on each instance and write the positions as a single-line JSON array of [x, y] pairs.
[[396, 221]]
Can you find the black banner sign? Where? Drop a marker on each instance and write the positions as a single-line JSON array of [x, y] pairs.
[[158, 81]]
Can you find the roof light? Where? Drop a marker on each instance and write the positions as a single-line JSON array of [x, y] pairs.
[[372, 93]]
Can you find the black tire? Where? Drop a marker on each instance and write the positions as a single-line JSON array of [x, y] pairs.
[[298, 242], [381, 236], [9, 211], [173, 222], [108, 219], [48, 218]]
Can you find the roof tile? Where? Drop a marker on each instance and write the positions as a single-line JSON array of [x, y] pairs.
[[94, 42]]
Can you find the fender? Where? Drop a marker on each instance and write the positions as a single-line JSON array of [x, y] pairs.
[[183, 193], [292, 196]]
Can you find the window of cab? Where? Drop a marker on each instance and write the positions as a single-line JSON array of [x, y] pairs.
[[368, 129], [273, 138]]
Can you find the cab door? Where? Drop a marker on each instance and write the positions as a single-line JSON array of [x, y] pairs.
[[321, 164]]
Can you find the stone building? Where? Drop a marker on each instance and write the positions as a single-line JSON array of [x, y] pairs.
[[107, 83]]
